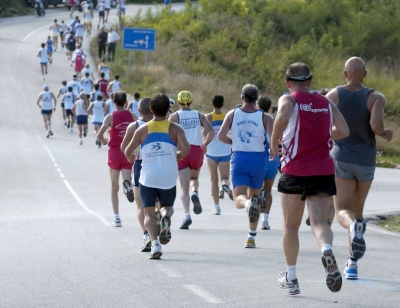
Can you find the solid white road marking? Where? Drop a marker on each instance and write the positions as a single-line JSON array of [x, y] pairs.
[[203, 294], [33, 32], [382, 231]]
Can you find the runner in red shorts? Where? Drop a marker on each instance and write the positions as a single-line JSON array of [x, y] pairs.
[[189, 168], [117, 123]]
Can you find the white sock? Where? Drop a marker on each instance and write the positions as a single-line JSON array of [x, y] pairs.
[[49, 127], [116, 216], [247, 204], [326, 247], [350, 261], [217, 205], [252, 234], [265, 217], [187, 215], [352, 226], [291, 272]]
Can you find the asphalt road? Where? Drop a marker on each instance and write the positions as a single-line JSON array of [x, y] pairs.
[[58, 248]]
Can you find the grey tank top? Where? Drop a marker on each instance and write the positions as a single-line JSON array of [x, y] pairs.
[[360, 146]]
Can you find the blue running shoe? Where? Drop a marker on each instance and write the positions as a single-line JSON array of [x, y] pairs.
[[350, 272]]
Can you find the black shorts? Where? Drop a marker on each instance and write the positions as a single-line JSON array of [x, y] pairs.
[[82, 119], [62, 105], [307, 185], [68, 112], [71, 48], [137, 167], [46, 111], [149, 196]]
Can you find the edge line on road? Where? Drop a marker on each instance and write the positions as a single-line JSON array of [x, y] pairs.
[[382, 231], [33, 32], [203, 294]]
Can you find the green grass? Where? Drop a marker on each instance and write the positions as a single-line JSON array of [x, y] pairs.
[[14, 8], [391, 224]]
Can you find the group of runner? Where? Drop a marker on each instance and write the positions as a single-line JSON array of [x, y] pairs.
[[326, 144]]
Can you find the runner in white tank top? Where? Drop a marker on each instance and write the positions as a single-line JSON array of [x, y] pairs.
[[80, 110], [145, 116], [115, 85], [44, 102], [189, 168], [159, 140], [69, 98], [98, 109], [247, 125], [61, 91], [43, 56]]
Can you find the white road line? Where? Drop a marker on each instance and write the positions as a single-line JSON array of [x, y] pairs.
[[169, 272], [84, 206], [203, 294], [33, 32], [382, 231], [72, 191]]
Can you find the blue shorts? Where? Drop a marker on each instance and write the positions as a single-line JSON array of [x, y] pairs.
[[62, 105], [248, 169], [47, 111], [81, 119], [50, 49], [137, 167], [149, 196], [97, 123], [219, 159], [101, 13], [43, 63], [122, 9], [68, 112], [271, 168]]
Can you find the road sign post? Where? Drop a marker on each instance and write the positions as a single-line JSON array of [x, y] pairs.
[[139, 39]]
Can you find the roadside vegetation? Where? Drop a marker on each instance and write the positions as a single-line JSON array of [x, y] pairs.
[[219, 45], [392, 223], [14, 8]]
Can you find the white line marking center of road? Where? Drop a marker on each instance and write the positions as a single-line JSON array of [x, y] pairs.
[[203, 294]]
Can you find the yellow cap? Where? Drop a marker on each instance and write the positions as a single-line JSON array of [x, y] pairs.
[[185, 98]]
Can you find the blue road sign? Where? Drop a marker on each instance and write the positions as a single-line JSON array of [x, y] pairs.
[[139, 39]]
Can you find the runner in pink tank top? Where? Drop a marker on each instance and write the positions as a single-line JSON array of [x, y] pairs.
[[305, 125], [117, 123]]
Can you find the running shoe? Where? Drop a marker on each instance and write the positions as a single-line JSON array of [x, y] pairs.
[[155, 252], [357, 239], [146, 247], [117, 222], [216, 210], [254, 212], [196, 203], [250, 243], [71, 130], [187, 221], [42, 77], [48, 135], [221, 194], [265, 225], [165, 234], [308, 221], [226, 189], [51, 133], [262, 200], [45, 70], [158, 222], [292, 288], [350, 271], [333, 276], [68, 123], [84, 132], [128, 191], [81, 142]]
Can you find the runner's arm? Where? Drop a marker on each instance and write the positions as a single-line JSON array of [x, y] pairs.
[[376, 121], [268, 124], [174, 118], [90, 109], [105, 106], [286, 105], [121, 86], [55, 100], [225, 127], [106, 124], [130, 131], [38, 101], [209, 131], [339, 129], [109, 86], [133, 144], [183, 144]]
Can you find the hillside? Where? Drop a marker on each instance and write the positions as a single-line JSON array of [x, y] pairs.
[[220, 45], [14, 8]]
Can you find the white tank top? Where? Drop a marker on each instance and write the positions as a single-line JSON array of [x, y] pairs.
[[216, 147], [64, 89], [95, 94], [86, 85], [76, 87], [79, 109], [68, 100], [107, 3], [88, 17], [115, 86], [98, 112], [189, 120], [135, 108], [54, 29], [138, 151], [111, 106], [46, 101], [122, 4], [101, 7], [43, 55], [159, 165], [106, 71], [248, 133], [63, 27]]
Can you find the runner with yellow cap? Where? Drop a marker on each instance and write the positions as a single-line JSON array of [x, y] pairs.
[[189, 168]]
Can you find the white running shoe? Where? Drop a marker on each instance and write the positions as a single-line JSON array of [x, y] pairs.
[[155, 252], [333, 276], [265, 225], [253, 210], [216, 210], [351, 270], [43, 77], [117, 222], [357, 239], [292, 287], [71, 130], [146, 247]]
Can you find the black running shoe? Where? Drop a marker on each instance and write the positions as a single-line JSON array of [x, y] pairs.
[[357, 239], [254, 212], [262, 200], [197, 209], [158, 222], [226, 189], [187, 221], [128, 191], [333, 276], [51, 133], [165, 234], [84, 132], [68, 123]]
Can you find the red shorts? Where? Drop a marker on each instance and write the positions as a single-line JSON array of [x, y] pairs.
[[72, 2], [117, 159], [194, 160]]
